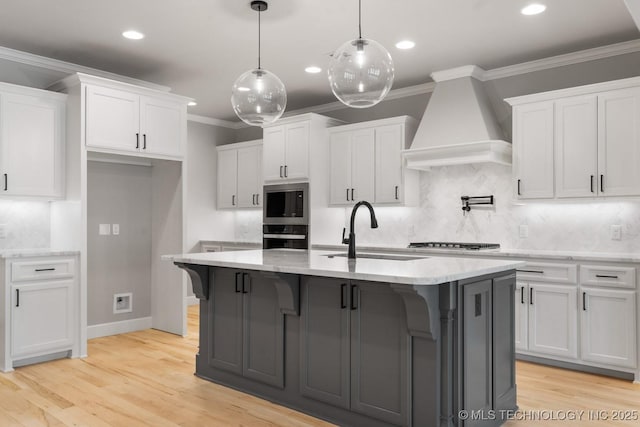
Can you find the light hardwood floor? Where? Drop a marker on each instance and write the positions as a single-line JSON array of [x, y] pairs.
[[146, 379]]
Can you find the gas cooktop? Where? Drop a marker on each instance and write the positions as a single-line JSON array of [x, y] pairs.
[[455, 245]]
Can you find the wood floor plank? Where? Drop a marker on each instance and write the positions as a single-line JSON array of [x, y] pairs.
[[146, 379]]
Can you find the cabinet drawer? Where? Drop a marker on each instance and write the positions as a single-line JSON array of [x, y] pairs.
[[22, 271], [602, 275], [557, 273]]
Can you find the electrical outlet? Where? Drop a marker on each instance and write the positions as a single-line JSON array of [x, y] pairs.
[[524, 231], [104, 229], [115, 228], [616, 232]]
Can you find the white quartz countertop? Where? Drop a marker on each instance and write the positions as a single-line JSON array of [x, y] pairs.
[[32, 253], [429, 270]]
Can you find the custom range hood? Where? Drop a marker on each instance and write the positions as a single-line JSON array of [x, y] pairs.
[[458, 126]]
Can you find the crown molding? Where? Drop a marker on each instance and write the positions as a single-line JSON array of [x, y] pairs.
[[69, 68], [459, 72], [216, 122], [578, 57]]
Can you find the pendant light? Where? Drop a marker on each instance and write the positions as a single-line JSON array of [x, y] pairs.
[[258, 96], [361, 71]]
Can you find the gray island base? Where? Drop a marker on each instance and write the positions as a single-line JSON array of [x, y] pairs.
[[371, 342]]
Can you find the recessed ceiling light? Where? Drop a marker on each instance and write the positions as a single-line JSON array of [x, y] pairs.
[[405, 44], [533, 9], [133, 35], [192, 103], [243, 89], [313, 70]]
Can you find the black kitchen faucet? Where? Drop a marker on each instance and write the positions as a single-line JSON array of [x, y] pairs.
[[351, 241]]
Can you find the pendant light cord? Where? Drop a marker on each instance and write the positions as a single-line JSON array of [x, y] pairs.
[[259, 13], [359, 19]]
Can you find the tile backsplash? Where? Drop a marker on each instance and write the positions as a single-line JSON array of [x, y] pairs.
[[27, 224]]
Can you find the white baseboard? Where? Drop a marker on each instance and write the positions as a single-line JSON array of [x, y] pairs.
[[122, 327], [191, 300]]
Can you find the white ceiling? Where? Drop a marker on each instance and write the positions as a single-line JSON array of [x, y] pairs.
[[199, 47]]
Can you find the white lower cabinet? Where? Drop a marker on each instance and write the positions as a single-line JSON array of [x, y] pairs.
[[608, 320], [40, 311]]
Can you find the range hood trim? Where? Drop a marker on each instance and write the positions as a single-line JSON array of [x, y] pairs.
[[490, 151]]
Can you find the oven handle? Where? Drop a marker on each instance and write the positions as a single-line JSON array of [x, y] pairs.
[[285, 236]]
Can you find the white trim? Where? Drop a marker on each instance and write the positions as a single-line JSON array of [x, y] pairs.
[[404, 92], [115, 328], [602, 52], [459, 72], [237, 145], [216, 122], [634, 10], [191, 300], [70, 68]]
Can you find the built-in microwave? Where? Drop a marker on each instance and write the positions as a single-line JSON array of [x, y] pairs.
[[286, 204]]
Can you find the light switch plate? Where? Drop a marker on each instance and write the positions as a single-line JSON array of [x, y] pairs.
[[104, 229], [115, 228], [616, 232]]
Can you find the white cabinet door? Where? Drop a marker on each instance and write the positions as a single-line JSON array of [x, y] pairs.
[[388, 171], [41, 318], [32, 151], [161, 125], [609, 327], [340, 172], [533, 143], [112, 119], [619, 142], [576, 145], [249, 176], [522, 315], [362, 165], [273, 158], [227, 178], [553, 326], [297, 151]]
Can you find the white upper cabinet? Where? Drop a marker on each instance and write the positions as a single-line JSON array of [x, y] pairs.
[[533, 160], [365, 163], [619, 142], [135, 122], [240, 175], [32, 129], [578, 142], [289, 146], [352, 156], [576, 147]]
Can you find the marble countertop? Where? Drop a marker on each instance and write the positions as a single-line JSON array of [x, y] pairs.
[[499, 253], [427, 270], [32, 253]]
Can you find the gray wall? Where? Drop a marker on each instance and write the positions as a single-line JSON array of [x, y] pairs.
[[118, 194]]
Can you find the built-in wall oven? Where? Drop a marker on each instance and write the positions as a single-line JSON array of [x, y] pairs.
[[286, 216]]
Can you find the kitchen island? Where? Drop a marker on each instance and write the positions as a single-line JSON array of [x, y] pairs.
[[388, 340]]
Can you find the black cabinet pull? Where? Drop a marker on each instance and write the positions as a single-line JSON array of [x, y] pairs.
[[396, 192], [286, 173], [246, 283], [605, 276], [45, 269], [347, 194], [584, 301], [144, 141], [601, 183], [352, 194], [519, 193], [522, 295], [531, 296], [253, 199], [238, 289], [591, 184], [6, 182], [233, 200], [343, 295], [281, 172], [137, 141], [354, 302], [257, 199], [530, 271], [17, 297]]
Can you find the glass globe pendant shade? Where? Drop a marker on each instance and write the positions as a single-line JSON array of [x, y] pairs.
[[361, 73], [258, 97]]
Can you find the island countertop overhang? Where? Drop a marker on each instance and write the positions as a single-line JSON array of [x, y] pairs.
[[430, 270]]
